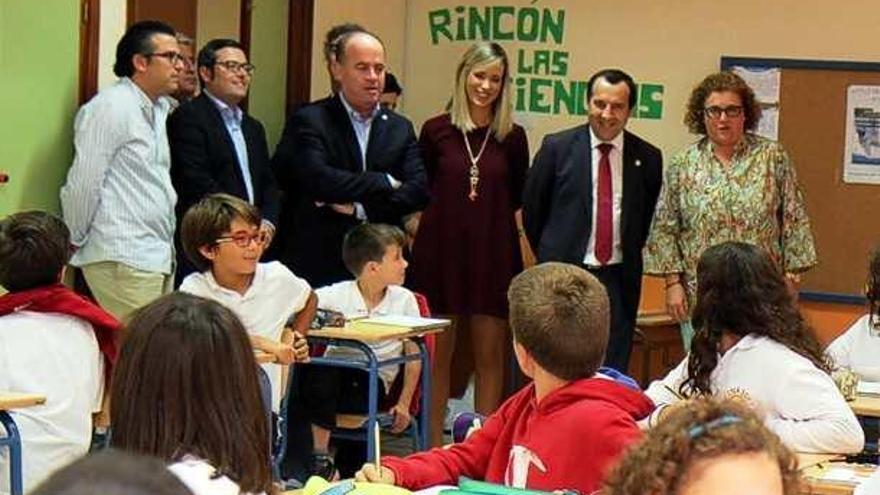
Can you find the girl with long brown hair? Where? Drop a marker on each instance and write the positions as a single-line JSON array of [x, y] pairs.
[[752, 344], [185, 390]]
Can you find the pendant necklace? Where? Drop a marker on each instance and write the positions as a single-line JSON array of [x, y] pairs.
[[474, 172]]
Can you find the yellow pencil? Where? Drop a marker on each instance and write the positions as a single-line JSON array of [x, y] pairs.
[[376, 441]]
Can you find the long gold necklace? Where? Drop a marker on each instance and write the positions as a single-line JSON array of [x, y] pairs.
[[474, 172]]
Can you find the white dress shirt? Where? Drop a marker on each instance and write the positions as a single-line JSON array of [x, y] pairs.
[[798, 401], [346, 298], [615, 156], [858, 349], [118, 200], [275, 294], [56, 356]]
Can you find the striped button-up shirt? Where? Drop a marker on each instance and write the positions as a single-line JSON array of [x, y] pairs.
[[118, 200]]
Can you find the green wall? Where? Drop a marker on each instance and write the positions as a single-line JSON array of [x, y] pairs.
[[269, 53], [39, 59]]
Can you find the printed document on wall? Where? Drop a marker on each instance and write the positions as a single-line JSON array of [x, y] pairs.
[[861, 156], [765, 82]]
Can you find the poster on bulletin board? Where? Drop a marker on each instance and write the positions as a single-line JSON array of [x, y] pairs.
[[861, 157]]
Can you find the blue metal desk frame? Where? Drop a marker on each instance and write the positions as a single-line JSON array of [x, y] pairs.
[[12, 440], [371, 365]]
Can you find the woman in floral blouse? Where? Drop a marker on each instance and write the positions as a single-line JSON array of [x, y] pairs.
[[731, 185]]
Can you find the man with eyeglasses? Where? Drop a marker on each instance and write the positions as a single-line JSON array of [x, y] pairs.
[[216, 146], [188, 83], [118, 200]]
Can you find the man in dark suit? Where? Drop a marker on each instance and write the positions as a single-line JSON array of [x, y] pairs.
[[344, 160], [215, 145], [589, 200]]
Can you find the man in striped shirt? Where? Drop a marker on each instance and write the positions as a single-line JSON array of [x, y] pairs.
[[118, 200]]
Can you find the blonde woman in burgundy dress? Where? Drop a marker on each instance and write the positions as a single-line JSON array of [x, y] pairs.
[[466, 250]]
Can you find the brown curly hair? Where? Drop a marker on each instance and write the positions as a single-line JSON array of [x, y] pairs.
[[741, 291], [721, 81], [659, 465], [872, 292]]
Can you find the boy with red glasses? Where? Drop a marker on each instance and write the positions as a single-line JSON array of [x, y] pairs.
[[221, 236]]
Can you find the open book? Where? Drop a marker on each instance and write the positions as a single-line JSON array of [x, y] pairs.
[[375, 323]]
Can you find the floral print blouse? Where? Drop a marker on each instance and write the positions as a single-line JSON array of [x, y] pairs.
[[754, 199]]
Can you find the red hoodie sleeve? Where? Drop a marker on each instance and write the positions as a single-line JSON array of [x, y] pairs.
[[443, 466]]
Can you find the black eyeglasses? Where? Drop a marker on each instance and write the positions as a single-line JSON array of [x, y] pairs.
[[232, 66], [731, 112], [173, 57]]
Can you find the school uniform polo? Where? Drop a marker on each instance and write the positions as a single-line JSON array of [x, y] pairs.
[[56, 356], [858, 349], [274, 295], [346, 298], [798, 401]]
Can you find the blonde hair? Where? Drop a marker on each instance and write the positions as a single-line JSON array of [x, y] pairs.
[[479, 55]]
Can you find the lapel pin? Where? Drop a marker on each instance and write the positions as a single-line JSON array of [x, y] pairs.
[[384, 116], [638, 163]]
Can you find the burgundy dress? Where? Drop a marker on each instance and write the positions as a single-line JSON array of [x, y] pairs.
[[466, 252]]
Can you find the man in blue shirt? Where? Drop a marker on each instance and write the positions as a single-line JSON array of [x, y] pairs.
[[215, 145], [118, 200]]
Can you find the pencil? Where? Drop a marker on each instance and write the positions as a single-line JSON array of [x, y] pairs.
[[376, 441], [673, 392]]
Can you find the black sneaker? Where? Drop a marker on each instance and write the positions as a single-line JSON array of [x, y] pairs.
[[322, 465]]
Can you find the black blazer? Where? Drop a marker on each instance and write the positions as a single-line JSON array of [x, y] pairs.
[[203, 158], [319, 161], [558, 198]]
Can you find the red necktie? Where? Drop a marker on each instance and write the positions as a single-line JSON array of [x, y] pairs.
[[604, 206]]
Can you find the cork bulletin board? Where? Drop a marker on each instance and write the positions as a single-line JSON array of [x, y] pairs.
[[812, 128]]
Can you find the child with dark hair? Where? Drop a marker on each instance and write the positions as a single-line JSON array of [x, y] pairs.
[[223, 239], [858, 347], [710, 446], [567, 428], [752, 343], [51, 344], [113, 472], [185, 390], [373, 253]]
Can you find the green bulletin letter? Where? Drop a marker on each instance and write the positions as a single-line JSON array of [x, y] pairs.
[[438, 21]]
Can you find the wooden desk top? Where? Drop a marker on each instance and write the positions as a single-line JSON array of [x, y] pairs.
[[865, 405], [11, 400], [812, 465], [371, 336]]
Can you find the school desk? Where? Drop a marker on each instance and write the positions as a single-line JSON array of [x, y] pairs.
[[812, 466], [866, 405], [360, 339], [12, 439]]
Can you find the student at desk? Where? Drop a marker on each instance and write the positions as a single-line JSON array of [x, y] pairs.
[[51, 344], [373, 253], [752, 343], [566, 429], [223, 239], [859, 347]]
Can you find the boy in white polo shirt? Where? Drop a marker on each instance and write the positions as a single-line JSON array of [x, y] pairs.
[[51, 344], [223, 238], [373, 253]]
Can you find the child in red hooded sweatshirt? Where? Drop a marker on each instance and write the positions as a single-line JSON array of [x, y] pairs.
[[567, 428]]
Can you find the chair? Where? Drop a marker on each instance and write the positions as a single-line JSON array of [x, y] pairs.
[[357, 426]]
